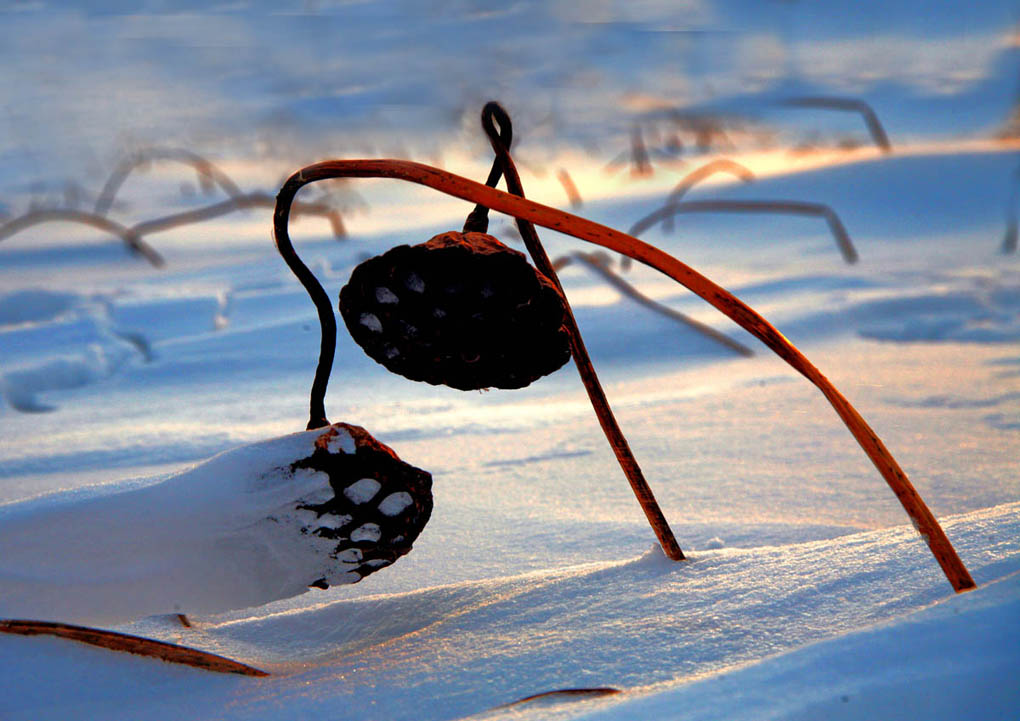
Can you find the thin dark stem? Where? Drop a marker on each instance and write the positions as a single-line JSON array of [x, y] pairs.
[[722, 165], [327, 321], [248, 200], [478, 219], [852, 105], [1009, 240], [597, 264], [593, 692], [491, 114], [207, 172], [130, 236], [641, 165], [784, 207], [569, 188]]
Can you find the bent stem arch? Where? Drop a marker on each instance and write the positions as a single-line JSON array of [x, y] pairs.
[[208, 174], [606, 237], [721, 165], [783, 207], [130, 236], [850, 105]]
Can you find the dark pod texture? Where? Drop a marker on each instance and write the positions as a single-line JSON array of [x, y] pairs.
[[461, 310], [380, 503]]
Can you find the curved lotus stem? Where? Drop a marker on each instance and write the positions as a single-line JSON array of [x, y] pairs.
[[722, 165], [114, 641], [133, 236], [569, 188], [746, 317], [784, 207], [129, 235], [207, 173], [597, 264], [248, 200], [852, 105]]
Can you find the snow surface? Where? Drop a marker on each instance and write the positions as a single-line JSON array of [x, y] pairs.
[[139, 407]]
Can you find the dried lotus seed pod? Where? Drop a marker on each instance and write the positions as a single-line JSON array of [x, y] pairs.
[[461, 310], [378, 507]]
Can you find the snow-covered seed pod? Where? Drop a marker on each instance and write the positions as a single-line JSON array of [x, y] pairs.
[[461, 310], [379, 503]]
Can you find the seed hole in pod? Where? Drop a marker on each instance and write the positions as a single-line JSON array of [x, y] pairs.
[[333, 522], [395, 503], [438, 313], [368, 532], [414, 282], [371, 322], [362, 491], [385, 295], [350, 555], [390, 352]]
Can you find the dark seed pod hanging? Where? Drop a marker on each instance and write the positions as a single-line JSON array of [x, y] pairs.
[[379, 504], [461, 310]]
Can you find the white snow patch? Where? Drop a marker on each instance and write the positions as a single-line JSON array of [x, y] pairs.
[[342, 441], [333, 521], [367, 532], [395, 503], [362, 491], [350, 555]]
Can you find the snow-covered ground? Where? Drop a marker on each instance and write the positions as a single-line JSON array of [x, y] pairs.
[[807, 594]]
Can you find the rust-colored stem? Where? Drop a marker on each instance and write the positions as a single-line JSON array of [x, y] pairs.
[[746, 317], [582, 360], [130, 644]]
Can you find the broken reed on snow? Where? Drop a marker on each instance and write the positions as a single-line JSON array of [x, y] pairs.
[[209, 176], [528, 212]]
